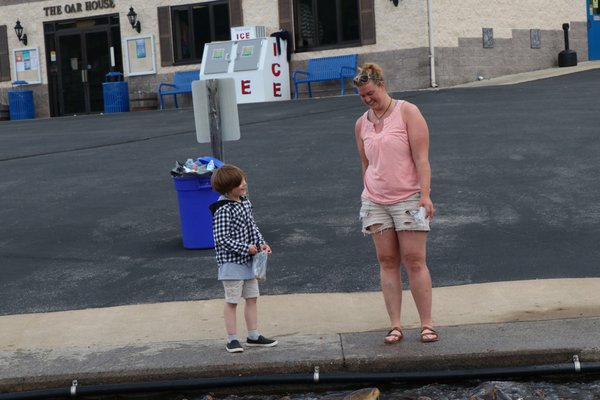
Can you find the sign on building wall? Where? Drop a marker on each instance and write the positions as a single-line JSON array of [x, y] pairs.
[[78, 7], [139, 55], [27, 65], [248, 32]]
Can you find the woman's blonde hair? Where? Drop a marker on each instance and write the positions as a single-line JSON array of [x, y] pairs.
[[372, 71]]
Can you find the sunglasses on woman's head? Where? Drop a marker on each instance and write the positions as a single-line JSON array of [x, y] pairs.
[[362, 79]]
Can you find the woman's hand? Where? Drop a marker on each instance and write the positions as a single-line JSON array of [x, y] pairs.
[[428, 204]]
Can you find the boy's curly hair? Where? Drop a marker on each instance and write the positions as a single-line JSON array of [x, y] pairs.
[[227, 178]]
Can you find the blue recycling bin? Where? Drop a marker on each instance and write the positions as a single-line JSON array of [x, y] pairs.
[[116, 93], [20, 102], [195, 194]]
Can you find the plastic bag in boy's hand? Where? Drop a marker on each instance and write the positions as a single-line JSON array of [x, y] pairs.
[[259, 265]]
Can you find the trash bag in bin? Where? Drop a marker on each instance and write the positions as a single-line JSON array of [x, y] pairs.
[[195, 194], [201, 166]]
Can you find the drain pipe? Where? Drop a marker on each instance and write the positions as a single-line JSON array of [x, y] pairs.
[[431, 43], [316, 377]]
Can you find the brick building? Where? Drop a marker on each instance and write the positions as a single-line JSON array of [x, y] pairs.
[[72, 44]]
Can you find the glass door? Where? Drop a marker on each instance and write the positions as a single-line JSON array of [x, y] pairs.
[[97, 54], [72, 96], [78, 56], [84, 61]]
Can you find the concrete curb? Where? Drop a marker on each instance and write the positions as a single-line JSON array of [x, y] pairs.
[[461, 347]]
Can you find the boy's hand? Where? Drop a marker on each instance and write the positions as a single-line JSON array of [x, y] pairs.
[[252, 249], [266, 247]]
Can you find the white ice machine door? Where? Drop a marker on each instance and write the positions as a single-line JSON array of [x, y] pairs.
[[218, 57], [247, 55]]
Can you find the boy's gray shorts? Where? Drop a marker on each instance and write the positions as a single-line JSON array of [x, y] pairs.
[[235, 290]]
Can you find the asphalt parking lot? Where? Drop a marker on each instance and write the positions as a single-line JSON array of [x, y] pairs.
[[90, 215]]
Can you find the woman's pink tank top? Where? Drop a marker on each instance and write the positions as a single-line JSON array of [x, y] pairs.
[[391, 175]]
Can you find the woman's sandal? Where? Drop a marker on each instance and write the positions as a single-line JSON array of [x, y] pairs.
[[393, 337], [428, 335]]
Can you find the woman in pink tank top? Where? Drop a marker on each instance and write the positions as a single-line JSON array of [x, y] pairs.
[[393, 144]]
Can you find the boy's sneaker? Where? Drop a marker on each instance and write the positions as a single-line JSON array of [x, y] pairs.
[[234, 347], [261, 342]]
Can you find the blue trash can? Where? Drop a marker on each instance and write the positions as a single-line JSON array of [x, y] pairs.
[[116, 93], [20, 102], [195, 194]]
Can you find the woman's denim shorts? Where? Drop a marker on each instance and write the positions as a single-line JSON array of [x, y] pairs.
[[402, 216]]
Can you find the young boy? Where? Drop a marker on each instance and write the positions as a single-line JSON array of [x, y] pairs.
[[237, 239]]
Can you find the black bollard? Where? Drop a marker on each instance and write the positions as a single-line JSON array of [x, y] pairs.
[[567, 57]]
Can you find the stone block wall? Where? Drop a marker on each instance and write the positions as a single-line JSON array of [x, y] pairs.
[[409, 69], [468, 61]]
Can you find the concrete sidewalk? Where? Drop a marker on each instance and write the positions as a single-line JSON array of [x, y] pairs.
[[300, 314], [503, 324], [533, 75]]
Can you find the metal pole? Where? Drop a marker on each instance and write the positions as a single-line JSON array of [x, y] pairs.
[[566, 32], [431, 43], [214, 116]]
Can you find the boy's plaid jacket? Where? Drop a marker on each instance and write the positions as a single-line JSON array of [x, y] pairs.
[[234, 230]]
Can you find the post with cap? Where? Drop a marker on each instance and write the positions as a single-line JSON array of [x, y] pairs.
[[567, 57]]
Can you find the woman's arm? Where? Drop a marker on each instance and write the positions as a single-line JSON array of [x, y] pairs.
[[361, 147], [418, 137]]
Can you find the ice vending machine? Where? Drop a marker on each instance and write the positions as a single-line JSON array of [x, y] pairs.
[[258, 66]]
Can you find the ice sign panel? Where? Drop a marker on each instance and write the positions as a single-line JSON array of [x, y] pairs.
[[247, 51], [218, 54]]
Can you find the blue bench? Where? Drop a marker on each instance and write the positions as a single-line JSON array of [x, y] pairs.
[[326, 69], [182, 83]]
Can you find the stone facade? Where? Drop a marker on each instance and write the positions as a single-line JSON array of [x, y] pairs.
[[402, 38], [402, 47]]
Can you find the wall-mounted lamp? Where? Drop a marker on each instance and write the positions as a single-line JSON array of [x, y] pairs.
[[132, 17], [395, 2], [20, 35]]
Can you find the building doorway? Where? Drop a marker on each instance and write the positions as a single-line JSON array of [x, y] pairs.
[[79, 57], [593, 25]]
